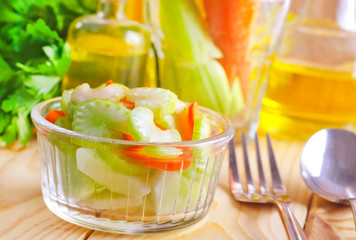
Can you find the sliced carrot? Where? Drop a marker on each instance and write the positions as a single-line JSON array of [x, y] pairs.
[[193, 113], [160, 127], [128, 104], [128, 137], [229, 24], [182, 161], [185, 121], [182, 125], [109, 82], [53, 115]]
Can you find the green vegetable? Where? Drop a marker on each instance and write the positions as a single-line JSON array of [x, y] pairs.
[[201, 128], [143, 128], [33, 57], [107, 198], [190, 67], [184, 35], [121, 164], [91, 164], [66, 95], [172, 192], [160, 101], [65, 122], [101, 118], [73, 182]]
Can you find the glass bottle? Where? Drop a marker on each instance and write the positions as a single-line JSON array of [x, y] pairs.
[[217, 53], [312, 82], [107, 46]]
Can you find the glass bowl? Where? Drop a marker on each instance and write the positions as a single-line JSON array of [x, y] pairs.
[[125, 186]]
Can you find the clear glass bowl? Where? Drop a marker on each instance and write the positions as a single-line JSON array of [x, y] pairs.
[[111, 185]]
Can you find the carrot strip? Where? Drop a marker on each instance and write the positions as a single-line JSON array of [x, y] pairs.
[[128, 104], [128, 137], [177, 163], [109, 82], [53, 115], [185, 121], [182, 125], [193, 113], [229, 24], [160, 127]]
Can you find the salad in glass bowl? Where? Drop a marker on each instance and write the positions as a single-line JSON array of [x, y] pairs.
[[129, 160]]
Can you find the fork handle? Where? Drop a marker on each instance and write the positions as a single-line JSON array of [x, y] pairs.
[[294, 230]]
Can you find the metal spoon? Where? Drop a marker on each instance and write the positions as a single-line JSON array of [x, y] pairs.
[[328, 165]]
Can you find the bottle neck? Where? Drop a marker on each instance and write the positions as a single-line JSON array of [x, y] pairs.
[[112, 9]]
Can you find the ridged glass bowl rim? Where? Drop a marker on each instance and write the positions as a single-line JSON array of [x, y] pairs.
[[42, 124]]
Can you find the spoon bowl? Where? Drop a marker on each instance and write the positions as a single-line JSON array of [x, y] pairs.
[[328, 165]]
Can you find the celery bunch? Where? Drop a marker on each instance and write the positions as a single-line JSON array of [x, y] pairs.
[[190, 66]]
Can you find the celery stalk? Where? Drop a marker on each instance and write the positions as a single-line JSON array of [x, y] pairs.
[[184, 34], [190, 67]]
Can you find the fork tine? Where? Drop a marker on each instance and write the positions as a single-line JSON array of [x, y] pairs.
[[250, 187], [263, 185], [234, 179], [278, 186], [280, 198]]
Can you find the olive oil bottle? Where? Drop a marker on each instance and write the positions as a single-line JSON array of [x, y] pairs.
[[107, 46], [301, 99], [312, 81]]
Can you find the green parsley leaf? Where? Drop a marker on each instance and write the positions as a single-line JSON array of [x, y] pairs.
[[5, 70], [42, 85], [24, 128], [20, 100], [33, 58], [5, 120], [10, 133]]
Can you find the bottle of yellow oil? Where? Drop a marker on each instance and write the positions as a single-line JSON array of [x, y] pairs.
[[107, 46], [312, 82], [301, 99]]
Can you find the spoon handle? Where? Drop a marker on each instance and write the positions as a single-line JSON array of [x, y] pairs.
[[294, 230], [353, 207]]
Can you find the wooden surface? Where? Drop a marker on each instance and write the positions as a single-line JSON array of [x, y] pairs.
[[23, 214]]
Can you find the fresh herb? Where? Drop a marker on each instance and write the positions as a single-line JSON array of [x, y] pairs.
[[33, 58]]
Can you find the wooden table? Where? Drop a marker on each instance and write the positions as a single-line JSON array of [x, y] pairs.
[[23, 214]]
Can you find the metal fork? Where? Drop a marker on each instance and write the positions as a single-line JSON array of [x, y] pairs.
[[263, 194]]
